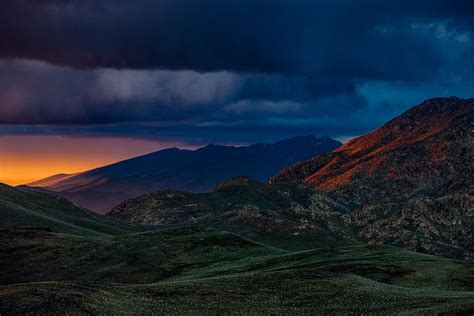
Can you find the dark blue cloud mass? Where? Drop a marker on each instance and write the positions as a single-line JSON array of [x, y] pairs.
[[365, 38], [220, 66]]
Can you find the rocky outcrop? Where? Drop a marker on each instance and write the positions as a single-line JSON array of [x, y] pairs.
[[290, 217]]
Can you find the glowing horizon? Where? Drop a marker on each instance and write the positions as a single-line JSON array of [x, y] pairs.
[[27, 158]]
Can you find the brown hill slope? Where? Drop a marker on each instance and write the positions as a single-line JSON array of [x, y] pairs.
[[409, 183], [427, 149]]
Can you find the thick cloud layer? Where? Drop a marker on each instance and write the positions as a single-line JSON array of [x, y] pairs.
[[218, 67], [38, 93], [365, 39]]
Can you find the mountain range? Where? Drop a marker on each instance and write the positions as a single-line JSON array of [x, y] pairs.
[[190, 170], [407, 184]]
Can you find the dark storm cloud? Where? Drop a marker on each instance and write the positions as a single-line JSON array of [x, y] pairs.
[[323, 38], [221, 68], [33, 92]]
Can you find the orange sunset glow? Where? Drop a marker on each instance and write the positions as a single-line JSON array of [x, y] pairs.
[[28, 158]]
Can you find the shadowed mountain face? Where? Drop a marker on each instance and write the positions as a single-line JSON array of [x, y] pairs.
[[408, 183], [195, 171]]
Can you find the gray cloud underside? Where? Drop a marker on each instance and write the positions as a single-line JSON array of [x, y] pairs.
[[35, 93]]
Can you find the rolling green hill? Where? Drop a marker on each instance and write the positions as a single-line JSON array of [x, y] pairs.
[[35, 209], [31, 255], [202, 271]]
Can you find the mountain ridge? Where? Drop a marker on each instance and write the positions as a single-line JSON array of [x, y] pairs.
[[328, 171], [409, 182], [192, 170]]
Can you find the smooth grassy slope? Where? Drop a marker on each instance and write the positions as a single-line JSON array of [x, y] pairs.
[[29, 255], [34, 209], [202, 271], [275, 294]]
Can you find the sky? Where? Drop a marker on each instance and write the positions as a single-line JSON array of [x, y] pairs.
[[84, 83]]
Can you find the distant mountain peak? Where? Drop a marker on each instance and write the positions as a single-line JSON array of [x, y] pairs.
[[172, 149], [192, 170], [301, 139], [305, 139], [212, 146]]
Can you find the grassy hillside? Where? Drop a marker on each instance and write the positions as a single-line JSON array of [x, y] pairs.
[[28, 208], [72, 261], [206, 271], [30, 255], [278, 293]]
